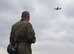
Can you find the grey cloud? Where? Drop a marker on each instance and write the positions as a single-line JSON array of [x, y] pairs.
[[5, 5], [27, 5], [69, 37], [10, 6], [54, 47], [68, 10]]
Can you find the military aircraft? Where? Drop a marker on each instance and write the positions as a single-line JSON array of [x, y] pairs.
[[58, 8]]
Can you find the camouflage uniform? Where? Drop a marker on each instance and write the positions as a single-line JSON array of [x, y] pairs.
[[22, 36]]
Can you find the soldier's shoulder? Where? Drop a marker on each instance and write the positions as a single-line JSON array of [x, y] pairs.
[[29, 24], [15, 23]]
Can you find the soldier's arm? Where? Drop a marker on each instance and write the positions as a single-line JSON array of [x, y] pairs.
[[30, 34], [12, 37]]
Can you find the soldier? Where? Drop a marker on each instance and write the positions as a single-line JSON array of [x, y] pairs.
[[23, 35]]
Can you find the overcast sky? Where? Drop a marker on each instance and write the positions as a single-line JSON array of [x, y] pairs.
[[54, 28]]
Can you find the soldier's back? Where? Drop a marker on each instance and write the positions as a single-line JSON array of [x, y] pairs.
[[20, 31]]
